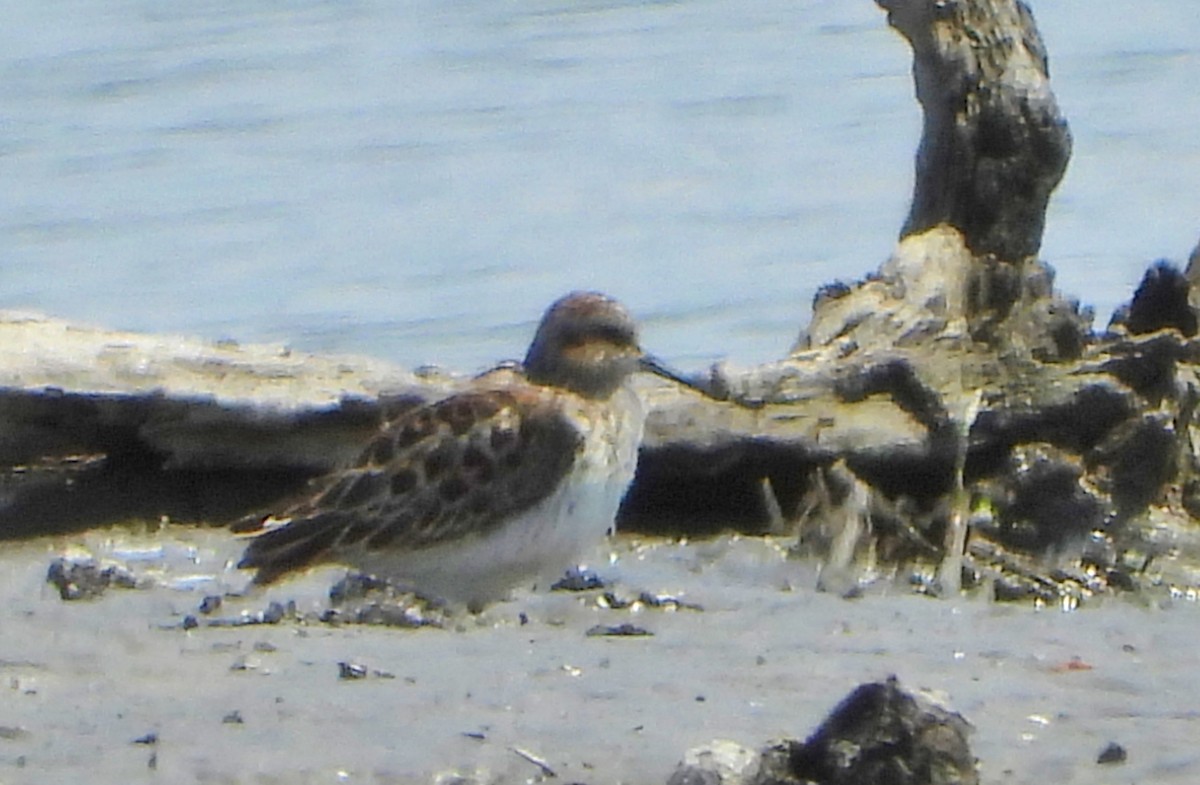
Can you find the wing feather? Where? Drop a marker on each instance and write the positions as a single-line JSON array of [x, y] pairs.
[[457, 467]]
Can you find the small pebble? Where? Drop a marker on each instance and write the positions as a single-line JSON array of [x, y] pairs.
[[244, 663], [578, 580], [625, 630], [1113, 753], [274, 613], [351, 670]]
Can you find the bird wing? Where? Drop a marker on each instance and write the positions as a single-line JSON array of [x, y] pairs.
[[457, 467]]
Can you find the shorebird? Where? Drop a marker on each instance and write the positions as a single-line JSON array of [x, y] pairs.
[[507, 483]]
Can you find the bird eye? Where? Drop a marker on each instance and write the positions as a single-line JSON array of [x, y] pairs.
[[599, 333], [616, 335]]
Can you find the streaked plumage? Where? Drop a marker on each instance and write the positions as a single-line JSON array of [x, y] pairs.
[[509, 482]]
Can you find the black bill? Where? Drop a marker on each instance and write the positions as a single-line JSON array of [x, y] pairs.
[[701, 384]]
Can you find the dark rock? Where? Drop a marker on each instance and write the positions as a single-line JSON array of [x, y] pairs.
[[879, 735], [274, 613], [1112, 753], [624, 630], [356, 586], [393, 614], [365, 599], [666, 602], [210, 604], [351, 671], [85, 579], [577, 579], [645, 599]]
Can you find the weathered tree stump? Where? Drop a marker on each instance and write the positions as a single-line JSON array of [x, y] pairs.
[[994, 144]]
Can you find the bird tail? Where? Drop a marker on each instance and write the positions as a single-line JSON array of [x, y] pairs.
[[292, 546]]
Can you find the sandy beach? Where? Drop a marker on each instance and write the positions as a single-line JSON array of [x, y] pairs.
[[117, 690]]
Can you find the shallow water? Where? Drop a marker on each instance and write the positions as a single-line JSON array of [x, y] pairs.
[[419, 180], [766, 658]]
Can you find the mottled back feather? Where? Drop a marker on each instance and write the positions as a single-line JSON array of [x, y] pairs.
[[457, 467]]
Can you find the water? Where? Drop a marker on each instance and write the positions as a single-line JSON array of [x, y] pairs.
[[418, 180]]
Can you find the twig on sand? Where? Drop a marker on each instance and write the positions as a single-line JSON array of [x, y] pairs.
[[542, 765]]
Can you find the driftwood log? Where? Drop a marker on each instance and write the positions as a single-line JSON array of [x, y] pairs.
[[951, 406]]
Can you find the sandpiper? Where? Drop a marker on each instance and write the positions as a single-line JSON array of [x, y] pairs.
[[508, 483]]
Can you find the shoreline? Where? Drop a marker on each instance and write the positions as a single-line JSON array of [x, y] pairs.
[[1045, 690]]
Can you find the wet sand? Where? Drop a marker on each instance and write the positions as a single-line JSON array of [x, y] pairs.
[[767, 657]]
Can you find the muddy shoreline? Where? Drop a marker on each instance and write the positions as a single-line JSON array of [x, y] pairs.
[[767, 657]]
